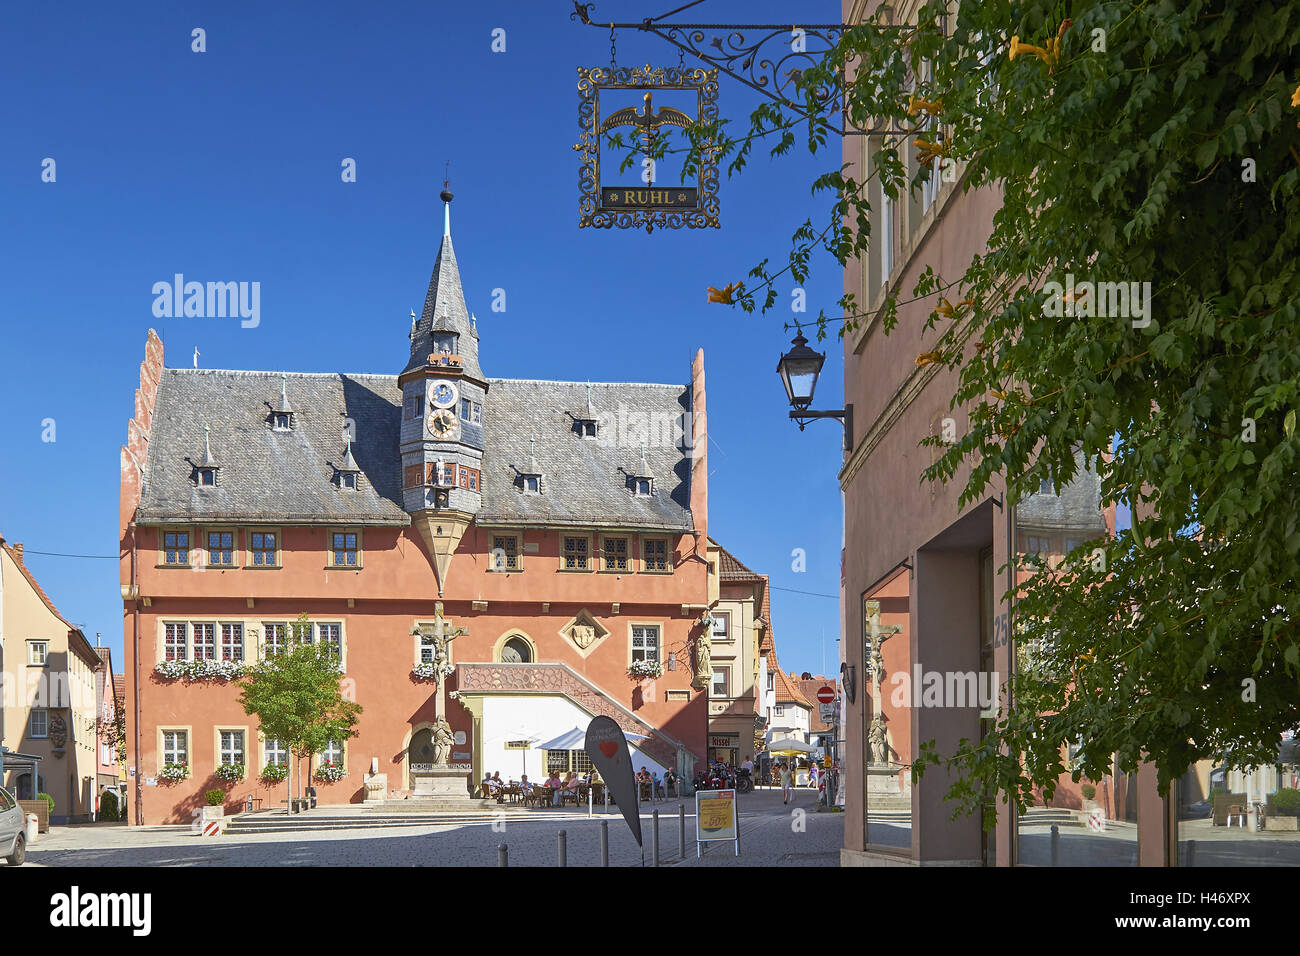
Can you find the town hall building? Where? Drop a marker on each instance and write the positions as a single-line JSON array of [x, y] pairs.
[[559, 529]]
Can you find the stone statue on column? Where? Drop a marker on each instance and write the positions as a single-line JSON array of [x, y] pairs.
[[443, 738]]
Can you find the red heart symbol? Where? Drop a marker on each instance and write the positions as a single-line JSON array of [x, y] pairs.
[[608, 747]]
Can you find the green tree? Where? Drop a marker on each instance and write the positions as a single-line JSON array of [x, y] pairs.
[[1148, 141], [297, 699]]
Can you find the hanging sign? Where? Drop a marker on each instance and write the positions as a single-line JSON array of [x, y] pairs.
[[611, 196], [715, 818]]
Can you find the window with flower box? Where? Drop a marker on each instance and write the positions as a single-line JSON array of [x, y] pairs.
[[274, 753], [645, 642], [275, 639], [176, 746], [230, 747], [614, 552], [332, 755], [232, 642], [176, 643], [205, 642], [331, 635]]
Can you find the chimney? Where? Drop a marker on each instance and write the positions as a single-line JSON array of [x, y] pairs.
[[18, 551]]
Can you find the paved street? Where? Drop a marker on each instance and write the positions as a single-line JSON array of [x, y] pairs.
[[771, 835]]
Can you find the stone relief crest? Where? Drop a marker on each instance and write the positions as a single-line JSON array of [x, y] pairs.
[[584, 631]]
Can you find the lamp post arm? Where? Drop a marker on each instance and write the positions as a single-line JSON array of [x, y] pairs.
[[844, 415]]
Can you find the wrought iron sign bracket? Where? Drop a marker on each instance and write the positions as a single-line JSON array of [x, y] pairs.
[[723, 46]]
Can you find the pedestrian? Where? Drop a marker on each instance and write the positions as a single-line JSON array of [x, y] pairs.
[[813, 776], [787, 781]]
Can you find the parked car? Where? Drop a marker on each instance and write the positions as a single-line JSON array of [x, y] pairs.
[[13, 830]]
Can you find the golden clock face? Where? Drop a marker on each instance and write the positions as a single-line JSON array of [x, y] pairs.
[[443, 424]]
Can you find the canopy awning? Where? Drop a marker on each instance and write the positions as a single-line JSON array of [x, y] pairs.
[[576, 739], [788, 747]]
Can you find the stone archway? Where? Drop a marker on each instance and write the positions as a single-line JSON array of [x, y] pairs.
[[416, 749]]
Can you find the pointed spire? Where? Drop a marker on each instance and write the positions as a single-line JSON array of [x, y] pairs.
[[411, 336], [445, 311], [208, 460], [590, 414], [284, 394]]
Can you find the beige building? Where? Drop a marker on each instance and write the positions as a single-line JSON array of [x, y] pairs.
[[737, 600], [50, 701]]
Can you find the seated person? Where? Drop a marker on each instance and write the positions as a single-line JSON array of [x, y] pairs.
[[524, 785], [495, 786]]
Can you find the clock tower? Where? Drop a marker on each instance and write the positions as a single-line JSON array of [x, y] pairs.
[[443, 397]]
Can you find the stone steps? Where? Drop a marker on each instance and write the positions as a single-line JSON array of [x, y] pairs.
[[1046, 816], [364, 820]]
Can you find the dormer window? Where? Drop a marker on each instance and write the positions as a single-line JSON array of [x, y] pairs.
[[205, 472], [345, 474], [282, 414], [445, 342], [642, 487], [585, 427], [532, 484]]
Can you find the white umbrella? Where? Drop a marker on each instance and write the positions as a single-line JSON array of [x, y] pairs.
[[788, 745], [576, 739]]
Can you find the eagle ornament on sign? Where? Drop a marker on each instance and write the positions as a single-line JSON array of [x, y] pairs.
[[651, 203]]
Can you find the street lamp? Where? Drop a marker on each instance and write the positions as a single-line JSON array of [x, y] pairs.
[[799, 369]]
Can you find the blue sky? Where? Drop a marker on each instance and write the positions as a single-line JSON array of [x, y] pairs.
[[225, 165]]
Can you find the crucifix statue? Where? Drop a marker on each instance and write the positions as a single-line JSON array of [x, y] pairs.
[[442, 633], [876, 636]]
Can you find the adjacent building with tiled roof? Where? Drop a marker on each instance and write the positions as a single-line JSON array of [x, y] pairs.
[[737, 596], [48, 711], [563, 525]]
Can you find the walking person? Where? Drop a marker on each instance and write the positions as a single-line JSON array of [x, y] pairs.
[[787, 781]]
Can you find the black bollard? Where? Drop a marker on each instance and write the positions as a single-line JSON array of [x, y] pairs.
[[564, 849], [654, 838], [1056, 845], [503, 855], [604, 843]]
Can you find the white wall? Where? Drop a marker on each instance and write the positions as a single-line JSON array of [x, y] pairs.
[[541, 718]]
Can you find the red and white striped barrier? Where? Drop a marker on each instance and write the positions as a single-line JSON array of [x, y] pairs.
[[212, 828]]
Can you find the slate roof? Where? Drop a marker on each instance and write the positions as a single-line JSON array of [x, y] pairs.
[[265, 475], [445, 311], [270, 476], [584, 480]]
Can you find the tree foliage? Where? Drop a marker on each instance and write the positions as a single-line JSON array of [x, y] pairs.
[[296, 696], [1137, 142]]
